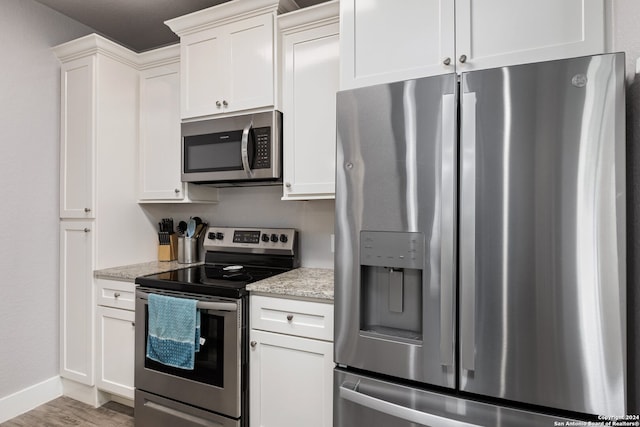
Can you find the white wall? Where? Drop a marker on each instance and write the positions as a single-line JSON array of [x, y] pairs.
[[29, 140]]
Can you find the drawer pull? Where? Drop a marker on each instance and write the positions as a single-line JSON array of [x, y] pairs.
[[289, 317], [133, 324], [116, 295]]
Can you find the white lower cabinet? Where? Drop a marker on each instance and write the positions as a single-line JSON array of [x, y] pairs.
[[291, 370], [115, 337], [76, 301]]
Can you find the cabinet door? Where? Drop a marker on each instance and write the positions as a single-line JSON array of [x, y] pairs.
[[249, 63], [203, 75], [505, 32], [77, 137], [116, 340], [290, 382], [76, 301], [160, 148], [310, 82], [383, 41]]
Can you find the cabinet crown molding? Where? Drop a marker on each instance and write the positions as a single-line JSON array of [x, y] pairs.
[[94, 43], [157, 57], [227, 12], [319, 14]]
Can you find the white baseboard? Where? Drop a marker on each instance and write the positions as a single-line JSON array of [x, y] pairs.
[[31, 397]]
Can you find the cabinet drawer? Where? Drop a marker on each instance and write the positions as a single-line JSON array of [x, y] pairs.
[[112, 293], [287, 316]]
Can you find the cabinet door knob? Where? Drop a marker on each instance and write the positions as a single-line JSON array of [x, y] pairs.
[[177, 191], [218, 104], [225, 103], [289, 317], [87, 210], [133, 324], [446, 61], [463, 59], [253, 344], [287, 184], [86, 230], [116, 295]]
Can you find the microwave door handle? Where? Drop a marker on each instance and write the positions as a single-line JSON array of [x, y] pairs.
[[244, 149]]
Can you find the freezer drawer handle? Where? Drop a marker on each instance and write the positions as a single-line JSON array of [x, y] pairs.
[[394, 410]]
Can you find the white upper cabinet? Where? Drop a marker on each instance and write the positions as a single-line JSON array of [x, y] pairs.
[[228, 57], [160, 140], [77, 139], [505, 32], [310, 80], [383, 41]]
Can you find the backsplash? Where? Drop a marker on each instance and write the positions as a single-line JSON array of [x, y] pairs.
[[261, 206]]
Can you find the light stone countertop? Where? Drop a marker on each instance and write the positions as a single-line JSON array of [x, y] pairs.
[[313, 283], [128, 273]]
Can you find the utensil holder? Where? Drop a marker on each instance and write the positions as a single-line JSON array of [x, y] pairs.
[[168, 252], [188, 250]]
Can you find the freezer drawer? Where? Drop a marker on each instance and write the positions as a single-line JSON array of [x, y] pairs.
[[365, 401]]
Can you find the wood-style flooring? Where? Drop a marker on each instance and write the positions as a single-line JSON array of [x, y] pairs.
[[63, 412]]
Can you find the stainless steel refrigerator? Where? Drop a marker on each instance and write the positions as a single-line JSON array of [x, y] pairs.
[[480, 247]]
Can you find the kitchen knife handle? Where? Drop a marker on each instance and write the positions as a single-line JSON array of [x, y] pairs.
[[447, 229], [468, 232], [244, 149]]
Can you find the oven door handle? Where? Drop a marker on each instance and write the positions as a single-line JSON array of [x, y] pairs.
[[204, 305], [217, 306]]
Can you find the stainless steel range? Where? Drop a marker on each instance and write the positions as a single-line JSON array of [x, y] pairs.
[[215, 391]]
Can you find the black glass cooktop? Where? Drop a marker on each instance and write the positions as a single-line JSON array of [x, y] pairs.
[[225, 280]]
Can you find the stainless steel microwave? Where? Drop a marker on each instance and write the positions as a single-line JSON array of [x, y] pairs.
[[238, 150]]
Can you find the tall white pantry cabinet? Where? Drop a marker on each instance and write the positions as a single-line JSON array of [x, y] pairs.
[[101, 225]]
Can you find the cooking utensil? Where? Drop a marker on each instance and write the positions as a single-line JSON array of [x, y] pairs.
[[191, 227], [182, 227]]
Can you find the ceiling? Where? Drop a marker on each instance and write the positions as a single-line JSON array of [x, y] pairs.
[[136, 24]]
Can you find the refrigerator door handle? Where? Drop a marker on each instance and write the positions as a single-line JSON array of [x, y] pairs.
[[468, 232], [408, 414], [447, 229]]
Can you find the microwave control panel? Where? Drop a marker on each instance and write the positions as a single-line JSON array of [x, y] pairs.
[[263, 148]]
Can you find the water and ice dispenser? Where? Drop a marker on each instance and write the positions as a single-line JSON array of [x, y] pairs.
[[391, 266]]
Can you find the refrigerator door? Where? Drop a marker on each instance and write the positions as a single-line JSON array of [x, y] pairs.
[[395, 229], [366, 401], [542, 234]]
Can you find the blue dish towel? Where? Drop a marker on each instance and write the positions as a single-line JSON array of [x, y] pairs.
[[174, 331]]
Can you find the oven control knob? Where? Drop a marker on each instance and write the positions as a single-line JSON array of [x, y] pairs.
[[211, 236], [284, 238], [219, 236], [265, 237], [274, 238]]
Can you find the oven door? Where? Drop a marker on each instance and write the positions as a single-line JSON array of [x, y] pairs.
[[215, 382]]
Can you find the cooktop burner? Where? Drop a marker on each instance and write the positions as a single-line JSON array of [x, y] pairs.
[[235, 257]]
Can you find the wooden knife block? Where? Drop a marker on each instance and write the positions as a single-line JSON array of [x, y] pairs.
[[169, 252]]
